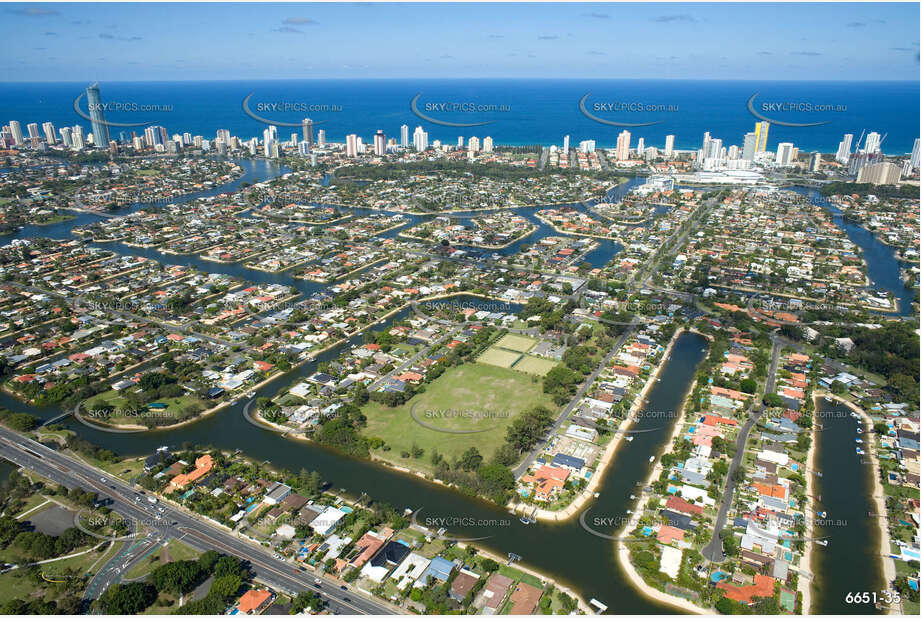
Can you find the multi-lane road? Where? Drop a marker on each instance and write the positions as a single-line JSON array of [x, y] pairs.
[[168, 522]]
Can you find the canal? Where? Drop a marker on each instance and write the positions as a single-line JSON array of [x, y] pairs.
[[851, 561], [564, 551]]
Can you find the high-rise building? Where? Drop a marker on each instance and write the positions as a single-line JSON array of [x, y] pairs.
[[321, 138], [587, 146], [32, 128], [844, 149], [66, 137], [307, 129], [16, 132], [420, 139], [879, 174], [761, 135], [404, 136], [97, 117], [784, 154], [733, 153], [749, 145], [380, 143], [351, 145], [916, 154], [640, 146], [815, 161], [460, 142], [78, 141], [48, 129], [623, 145], [669, 146], [487, 144], [473, 144], [871, 146], [565, 144]]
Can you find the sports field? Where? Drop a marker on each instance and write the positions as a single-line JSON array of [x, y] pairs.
[[498, 357], [534, 365], [518, 343], [469, 397]]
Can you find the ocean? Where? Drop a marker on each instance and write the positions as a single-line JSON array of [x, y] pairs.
[[518, 111]]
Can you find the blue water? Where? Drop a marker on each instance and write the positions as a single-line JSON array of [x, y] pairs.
[[535, 111]]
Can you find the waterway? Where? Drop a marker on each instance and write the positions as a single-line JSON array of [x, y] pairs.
[[883, 266], [851, 561], [564, 551]]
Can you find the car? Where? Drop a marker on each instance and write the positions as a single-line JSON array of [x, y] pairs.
[[102, 479], [346, 599], [344, 587]]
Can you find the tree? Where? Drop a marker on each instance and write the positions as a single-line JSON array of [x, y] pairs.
[[306, 600], [178, 577], [132, 598], [470, 459], [225, 588], [748, 385]]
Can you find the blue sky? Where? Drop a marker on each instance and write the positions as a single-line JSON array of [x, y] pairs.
[[114, 42]]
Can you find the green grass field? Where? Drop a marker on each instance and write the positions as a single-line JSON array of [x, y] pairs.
[[470, 397], [518, 343], [534, 365], [499, 357], [126, 413]]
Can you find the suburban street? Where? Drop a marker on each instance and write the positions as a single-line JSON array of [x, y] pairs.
[[713, 551], [176, 523]]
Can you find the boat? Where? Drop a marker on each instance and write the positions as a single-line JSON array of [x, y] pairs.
[[629, 511], [821, 514], [828, 399], [632, 497], [859, 430], [596, 494], [860, 451], [858, 440], [629, 438], [652, 458], [822, 542]]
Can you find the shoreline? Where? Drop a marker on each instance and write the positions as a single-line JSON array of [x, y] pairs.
[[607, 457], [806, 560]]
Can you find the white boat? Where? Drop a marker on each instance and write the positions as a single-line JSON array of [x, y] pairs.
[[632, 497], [860, 451], [629, 511], [822, 542], [596, 494], [821, 514], [858, 440], [629, 438], [828, 399], [652, 459]]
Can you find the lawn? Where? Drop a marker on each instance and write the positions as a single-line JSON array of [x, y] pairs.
[[499, 357], [534, 365], [132, 414], [473, 396], [518, 343], [176, 551]]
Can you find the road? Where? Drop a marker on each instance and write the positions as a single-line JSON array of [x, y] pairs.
[[524, 465], [713, 551], [173, 522]]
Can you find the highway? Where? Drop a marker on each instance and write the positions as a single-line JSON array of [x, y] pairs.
[[170, 522]]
